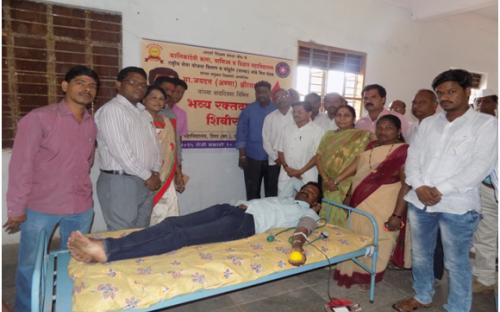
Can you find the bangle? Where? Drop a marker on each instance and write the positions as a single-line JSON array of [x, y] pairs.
[[395, 215]]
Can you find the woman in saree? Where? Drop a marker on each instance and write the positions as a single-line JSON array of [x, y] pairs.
[[337, 150], [378, 188], [165, 200]]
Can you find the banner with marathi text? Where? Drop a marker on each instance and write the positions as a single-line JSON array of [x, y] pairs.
[[220, 85]]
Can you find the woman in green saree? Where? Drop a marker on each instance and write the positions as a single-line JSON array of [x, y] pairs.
[[337, 150]]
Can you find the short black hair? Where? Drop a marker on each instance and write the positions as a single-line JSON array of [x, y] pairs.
[[182, 83], [173, 80], [81, 70], [315, 97], [262, 84], [460, 76], [163, 79], [379, 88], [494, 98], [318, 186], [307, 106], [155, 87], [131, 69]]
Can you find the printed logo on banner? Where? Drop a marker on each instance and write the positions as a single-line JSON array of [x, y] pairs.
[[154, 52], [282, 69]]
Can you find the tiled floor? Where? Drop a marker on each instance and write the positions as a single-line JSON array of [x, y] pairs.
[[305, 292]]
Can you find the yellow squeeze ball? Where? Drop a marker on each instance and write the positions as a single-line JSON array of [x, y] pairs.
[[296, 256]]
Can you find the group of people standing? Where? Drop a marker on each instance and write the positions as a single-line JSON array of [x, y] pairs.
[[382, 164], [385, 164], [138, 138]]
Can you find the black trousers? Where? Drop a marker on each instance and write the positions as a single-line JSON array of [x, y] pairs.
[[254, 172]]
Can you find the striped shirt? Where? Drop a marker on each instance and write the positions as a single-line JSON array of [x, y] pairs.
[[126, 138]]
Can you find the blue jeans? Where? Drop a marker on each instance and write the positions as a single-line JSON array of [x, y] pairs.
[[36, 223], [456, 235], [218, 223]]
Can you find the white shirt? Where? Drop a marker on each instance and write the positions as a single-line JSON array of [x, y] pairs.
[[271, 132], [299, 145], [324, 122], [454, 157], [274, 212], [412, 131], [126, 138]]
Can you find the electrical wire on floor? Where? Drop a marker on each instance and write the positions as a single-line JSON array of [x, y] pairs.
[[335, 304]]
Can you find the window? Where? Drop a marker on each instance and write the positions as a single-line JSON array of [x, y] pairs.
[[322, 69], [41, 42]]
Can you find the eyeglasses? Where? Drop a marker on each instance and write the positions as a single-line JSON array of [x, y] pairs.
[[136, 84]]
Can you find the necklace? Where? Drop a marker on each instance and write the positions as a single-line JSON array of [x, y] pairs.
[[370, 158]]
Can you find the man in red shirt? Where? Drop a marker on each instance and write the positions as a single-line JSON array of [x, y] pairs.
[[49, 182]]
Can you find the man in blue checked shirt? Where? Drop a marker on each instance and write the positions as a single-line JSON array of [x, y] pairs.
[[253, 157]]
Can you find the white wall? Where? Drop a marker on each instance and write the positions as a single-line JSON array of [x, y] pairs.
[[403, 55]]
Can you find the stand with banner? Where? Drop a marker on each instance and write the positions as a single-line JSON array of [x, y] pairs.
[[220, 85]]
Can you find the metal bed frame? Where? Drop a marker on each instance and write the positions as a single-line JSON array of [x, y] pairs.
[[52, 287]]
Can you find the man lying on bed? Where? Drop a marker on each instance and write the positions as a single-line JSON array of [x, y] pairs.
[[218, 223]]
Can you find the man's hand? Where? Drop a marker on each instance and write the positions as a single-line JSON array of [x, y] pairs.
[[393, 223], [179, 182], [242, 162], [293, 173], [429, 196], [153, 183], [13, 223]]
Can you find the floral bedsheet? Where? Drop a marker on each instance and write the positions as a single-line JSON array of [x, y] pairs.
[[142, 282]]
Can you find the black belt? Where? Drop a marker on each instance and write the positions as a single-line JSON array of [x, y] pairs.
[[117, 172]]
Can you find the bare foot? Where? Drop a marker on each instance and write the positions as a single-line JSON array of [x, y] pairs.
[[86, 249]]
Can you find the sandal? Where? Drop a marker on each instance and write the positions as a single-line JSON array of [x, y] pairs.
[[408, 305]]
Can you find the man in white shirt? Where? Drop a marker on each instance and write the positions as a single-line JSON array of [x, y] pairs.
[[297, 148], [485, 239], [398, 106], [450, 155], [271, 132], [332, 101], [374, 97], [424, 104], [315, 100], [129, 155]]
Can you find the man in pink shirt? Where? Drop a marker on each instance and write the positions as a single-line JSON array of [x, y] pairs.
[[374, 100], [180, 126], [49, 182]]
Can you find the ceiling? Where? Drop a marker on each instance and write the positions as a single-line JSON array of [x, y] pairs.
[[428, 9]]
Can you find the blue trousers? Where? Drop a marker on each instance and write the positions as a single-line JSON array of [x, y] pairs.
[[36, 223], [456, 236], [218, 223]]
